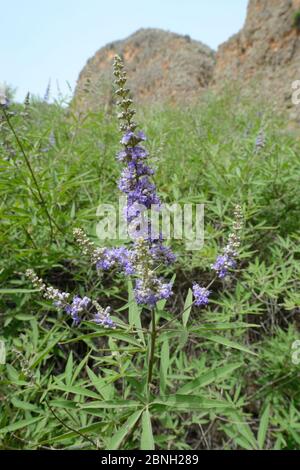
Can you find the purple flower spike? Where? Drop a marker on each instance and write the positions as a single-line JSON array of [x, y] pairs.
[[201, 295]]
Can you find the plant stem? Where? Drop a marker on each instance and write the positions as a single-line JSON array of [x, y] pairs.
[[34, 179], [152, 349]]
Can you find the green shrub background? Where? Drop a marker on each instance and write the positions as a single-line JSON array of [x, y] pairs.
[[203, 154]]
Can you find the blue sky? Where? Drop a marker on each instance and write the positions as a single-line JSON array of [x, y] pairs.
[[42, 40]]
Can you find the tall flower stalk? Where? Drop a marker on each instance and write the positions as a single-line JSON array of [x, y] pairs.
[[143, 257]]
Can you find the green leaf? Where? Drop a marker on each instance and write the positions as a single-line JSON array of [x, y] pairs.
[[20, 424], [208, 377], [120, 435], [147, 441], [110, 404], [17, 291], [68, 435], [76, 390], [46, 351], [106, 390], [190, 402], [128, 338], [164, 365], [244, 431], [187, 307], [23, 405], [222, 326], [69, 369], [2, 352], [263, 427], [63, 404], [226, 342]]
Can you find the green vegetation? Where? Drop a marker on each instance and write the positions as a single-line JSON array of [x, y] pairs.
[[236, 386], [297, 20]]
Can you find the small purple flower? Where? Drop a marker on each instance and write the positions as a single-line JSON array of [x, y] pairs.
[[222, 264], [103, 318], [127, 137], [150, 295], [201, 295], [162, 253], [78, 306], [227, 261], [122, 155], [116, 258]]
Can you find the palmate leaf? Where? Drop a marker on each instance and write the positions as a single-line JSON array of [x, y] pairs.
[[244, 435], [147, 440], [208, 377], [120, 435], [71, 434], [76, 390], [105, 389]]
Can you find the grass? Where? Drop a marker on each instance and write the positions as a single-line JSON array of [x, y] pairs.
[[204, 154]]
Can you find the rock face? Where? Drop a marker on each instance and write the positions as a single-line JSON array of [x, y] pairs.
[[262, 60], [266, 52], [162, 67]]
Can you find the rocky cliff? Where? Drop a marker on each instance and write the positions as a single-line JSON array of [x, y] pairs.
[[263, 59], [264, 54], [162, 67]]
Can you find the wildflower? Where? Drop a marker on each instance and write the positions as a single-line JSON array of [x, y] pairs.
[[148, 252], [135, 178], [136, 183], [149, 288], [201, 295], [260, 141], [102, 316], [116, 257], [77, 309], [78, 306], [226, 260]]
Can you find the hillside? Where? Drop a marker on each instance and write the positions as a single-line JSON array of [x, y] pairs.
[[162, 66], [262, 60], [264, 54]]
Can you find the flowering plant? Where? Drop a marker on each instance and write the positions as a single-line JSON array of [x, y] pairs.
[[150, 327]]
